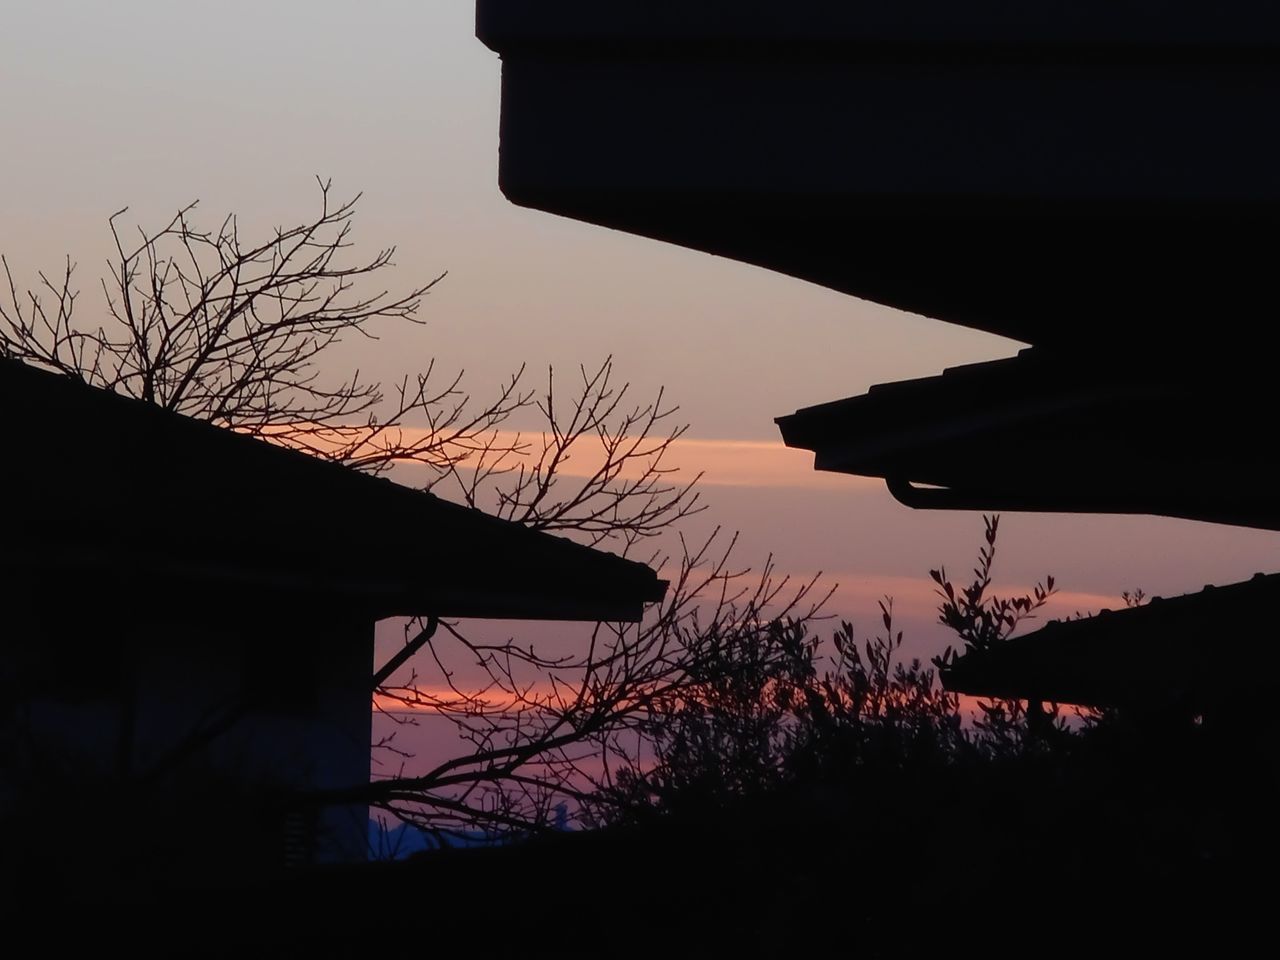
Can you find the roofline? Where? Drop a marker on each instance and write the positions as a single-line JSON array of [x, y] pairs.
[[1085, 27], [378, 598], [1137, 656], [598, 585]]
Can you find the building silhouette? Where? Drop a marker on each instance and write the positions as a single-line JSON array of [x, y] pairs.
[[1099, 180], [189, 619]]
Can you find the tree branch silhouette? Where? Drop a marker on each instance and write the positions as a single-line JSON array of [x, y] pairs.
[[242, 332]]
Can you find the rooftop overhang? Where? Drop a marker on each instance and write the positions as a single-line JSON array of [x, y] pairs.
[[1039, 170], [108, 500], [1165, 653], [1057, 431]]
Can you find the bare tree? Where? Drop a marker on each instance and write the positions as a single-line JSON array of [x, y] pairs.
[[546, 732], [205, 324], [237, 332], [627, 494]]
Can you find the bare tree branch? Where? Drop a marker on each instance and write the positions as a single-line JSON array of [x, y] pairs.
[[239, 333]]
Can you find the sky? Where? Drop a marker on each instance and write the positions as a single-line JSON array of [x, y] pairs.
[[151, 105]]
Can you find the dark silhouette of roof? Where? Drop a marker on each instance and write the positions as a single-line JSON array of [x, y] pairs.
[[1165, 653], [1170, 434], [732, 24], [1043, 170], [113, 496]]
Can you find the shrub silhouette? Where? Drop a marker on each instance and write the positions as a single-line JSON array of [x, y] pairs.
[[786, 711]]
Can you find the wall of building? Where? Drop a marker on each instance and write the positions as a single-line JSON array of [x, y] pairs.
[[189, 735]]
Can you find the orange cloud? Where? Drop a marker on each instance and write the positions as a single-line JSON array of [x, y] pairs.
[[722, 462], [759, 463]]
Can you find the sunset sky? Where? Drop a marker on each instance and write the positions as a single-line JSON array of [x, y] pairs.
[[241, 103]]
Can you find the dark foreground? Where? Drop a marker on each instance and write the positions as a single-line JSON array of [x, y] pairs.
[[1176, 864]]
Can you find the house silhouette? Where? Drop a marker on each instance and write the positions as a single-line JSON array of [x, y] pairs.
[[1098, 179], [189, 615], [1157, 661]]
